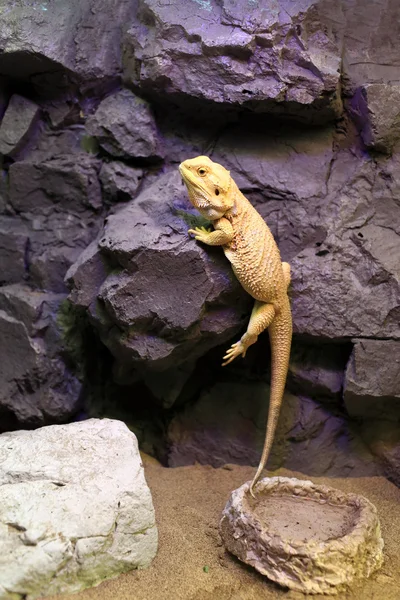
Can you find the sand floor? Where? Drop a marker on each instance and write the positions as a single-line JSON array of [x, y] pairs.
[[191, 563]]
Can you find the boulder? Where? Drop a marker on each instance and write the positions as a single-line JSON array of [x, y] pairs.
[[166, 299], [372, 381], [376, 110], [18, 125], [49, 46], [119, 182], [370, 53], [61, 204], [14, 249], [124, 127], [37, 387], [318, 370], [75, 508], [227, 423], [264, 57]]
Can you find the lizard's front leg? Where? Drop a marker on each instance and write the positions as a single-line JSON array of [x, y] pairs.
[[261, 318], [222, 234]]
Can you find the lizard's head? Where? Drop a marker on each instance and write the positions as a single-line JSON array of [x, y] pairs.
[[209, 186]]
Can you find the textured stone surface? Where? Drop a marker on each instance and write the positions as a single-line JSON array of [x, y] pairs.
[[75, 508], [119, 182], [14, 247], [17, 125], [317, 370], [36, 385], [167, 300], [372, 382], [57, 46], [60, 201], [124, 127], [227, 425], [335, 541], [263, 56], [376, 110], [371, 44]]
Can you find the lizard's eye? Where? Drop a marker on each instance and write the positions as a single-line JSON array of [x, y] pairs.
[[201, 171], [216, 191]]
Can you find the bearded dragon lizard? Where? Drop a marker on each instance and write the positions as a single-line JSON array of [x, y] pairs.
[[252, 251]]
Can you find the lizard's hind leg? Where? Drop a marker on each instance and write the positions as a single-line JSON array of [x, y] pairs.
[[261, 317]]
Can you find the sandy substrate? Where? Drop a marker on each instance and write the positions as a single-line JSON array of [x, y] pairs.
[[191, 563]]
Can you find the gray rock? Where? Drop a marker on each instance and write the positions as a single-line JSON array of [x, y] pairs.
[[124, 127], [317, 370], [18, 125], [167, 300], [60, 201], [75, 508], [370, 52], [37, 310], [267, 58], [329, 282], [49, 45], [14, 249], [166, 386], [227, 425], [119, 182], [382, 437], [86, 275], [376, 110], [372, 382], [36, 386]]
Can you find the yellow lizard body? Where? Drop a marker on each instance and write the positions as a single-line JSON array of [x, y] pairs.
[[252, 251]]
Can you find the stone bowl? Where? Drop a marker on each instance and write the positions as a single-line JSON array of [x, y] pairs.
[[307, 537]]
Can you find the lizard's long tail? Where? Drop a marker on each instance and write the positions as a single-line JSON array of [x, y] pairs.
[[280, 334]]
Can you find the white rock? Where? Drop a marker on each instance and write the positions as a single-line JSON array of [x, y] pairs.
[[74, 508]]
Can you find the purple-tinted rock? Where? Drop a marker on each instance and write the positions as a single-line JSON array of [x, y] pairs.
[[14, 248], [370, 48], [18, 125], [86, 275], [57, 47], [267, 58], [372, 382], [61, 203], [376, 110], [36, 310], [227, 425], [66, 183], [167, 300], [317, 371], [36, 386], [124, 127], [119, 182]]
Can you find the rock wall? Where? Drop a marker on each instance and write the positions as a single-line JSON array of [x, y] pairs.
[[108, 307]]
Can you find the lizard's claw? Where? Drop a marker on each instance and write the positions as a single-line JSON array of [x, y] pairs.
[[200, 233], [234, 351]]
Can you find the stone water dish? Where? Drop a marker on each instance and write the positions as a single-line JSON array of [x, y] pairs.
[[307, 537]]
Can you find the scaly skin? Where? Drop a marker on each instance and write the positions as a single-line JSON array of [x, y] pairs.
[[251, 249]]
